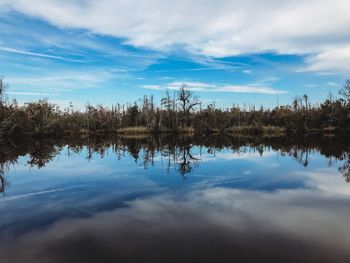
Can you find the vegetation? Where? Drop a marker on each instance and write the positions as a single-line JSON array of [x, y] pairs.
[[182, 153], [264, 130], [134, 130], [177, 112]]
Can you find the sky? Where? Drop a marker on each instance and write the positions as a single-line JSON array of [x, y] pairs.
[[248, 52]]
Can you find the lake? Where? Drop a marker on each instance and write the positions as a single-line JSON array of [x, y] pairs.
[[176, 199]]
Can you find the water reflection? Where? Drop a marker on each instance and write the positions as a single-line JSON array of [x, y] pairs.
[[125, 200], [345, 168], [2, 180], [177, 151], [208, 226]]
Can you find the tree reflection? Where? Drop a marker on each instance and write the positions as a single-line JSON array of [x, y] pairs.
[[2, 181], [42, 153], [8, 155], [344, 169], [175, 152], [186, 161]]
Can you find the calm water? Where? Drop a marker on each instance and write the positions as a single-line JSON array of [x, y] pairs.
[[176, 200]]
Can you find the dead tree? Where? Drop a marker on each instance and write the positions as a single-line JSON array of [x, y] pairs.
[[187, 103]]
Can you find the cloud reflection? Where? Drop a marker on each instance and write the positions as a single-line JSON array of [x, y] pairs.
[[210, 225]]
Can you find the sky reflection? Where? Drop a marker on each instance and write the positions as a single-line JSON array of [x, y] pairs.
[[232, 205]]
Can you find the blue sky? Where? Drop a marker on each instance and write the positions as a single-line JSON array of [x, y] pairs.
[[228, 51]]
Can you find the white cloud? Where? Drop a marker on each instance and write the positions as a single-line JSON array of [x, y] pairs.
[[212, 28], [206, 87], [152, 87], [28, 53], [220, 28], [26, 93], [333, 84], [247, 71], [250, 89], [65, 80], [332, 60]]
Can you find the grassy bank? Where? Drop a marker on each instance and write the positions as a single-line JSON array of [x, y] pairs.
[[146, 130], [134, 130], [255, 130]]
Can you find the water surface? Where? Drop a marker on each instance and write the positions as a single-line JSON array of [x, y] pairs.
[[175, 200]]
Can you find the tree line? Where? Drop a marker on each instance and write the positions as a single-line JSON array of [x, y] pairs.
[[177, 112]]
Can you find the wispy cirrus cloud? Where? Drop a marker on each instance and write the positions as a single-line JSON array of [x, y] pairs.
[[26, 93], [35, 54], [65, 80], [206, 87]]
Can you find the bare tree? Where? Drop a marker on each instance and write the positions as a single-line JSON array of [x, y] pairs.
[[187, 102], [306, 99], [3, 87], [345, 90]]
